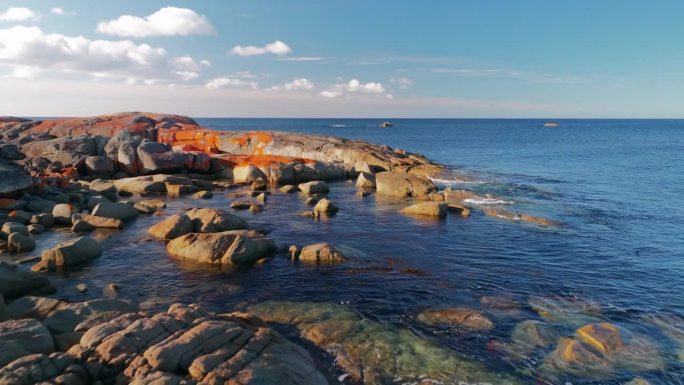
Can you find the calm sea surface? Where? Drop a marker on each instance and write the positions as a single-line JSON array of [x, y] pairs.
[[616, 185]]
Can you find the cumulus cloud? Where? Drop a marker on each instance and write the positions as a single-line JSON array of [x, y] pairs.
[[276, 48], [24, 47], [329, 94], [167, 21], [403, 82], [302, 58], [354, 86], [17, 14], [231, 82]]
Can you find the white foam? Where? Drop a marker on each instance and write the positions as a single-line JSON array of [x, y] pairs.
[[488, 200], [337, 125], [455, 181]]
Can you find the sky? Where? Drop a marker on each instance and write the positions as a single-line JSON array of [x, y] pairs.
[[344, 58]]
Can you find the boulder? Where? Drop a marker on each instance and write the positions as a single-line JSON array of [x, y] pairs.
[[324, 206], [63, 212], [19, 216], [207, 220], [172, 227], [103, 187], [35, 228], [458, 197], [45, 220], [457, 317], [69, 253], [458, 209], [403, 185], [604, 337], [99, 165], [429, 209], [15, 180], [180, 189], [259, 184], [365, 180], [322, 253], [98, 221], [81, 227], [241, 204], [247, 174], [20, 243], [289, 189], [225, 248], [203, 195], [14, 227], [157, 158], [15, 283], [140, 185], [315, 187], [115, 210], [23, 337]]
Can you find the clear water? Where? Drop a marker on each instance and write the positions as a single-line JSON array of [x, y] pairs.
[[616, 185]]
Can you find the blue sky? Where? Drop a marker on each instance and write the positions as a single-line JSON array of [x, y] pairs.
[[609, 58]]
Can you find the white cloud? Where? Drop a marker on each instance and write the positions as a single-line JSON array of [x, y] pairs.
[[206, 63], [167, 21], [227, 82], [403, 82], [17, 14], [29, 47], [330, 94], [302, 58], [276, 48], [299, 84]]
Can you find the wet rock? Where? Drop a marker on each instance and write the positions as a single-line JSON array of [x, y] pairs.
[[225, 248], [603, 336], [176, 190], [15, 227], [172, 227], [63, 212], [115, 210], [572, 311], [324, 206], [259, 185], [111, 290], [98, 221], [458, 209], [207, 220], [23, 337], [456, 317], [58, 368], [241, 204], [293, 252], [532, 334], [69, 253], [289, 189], [82, 287], [261, 198], [311, 201], [429, 209], [403, 185], [81, 227], [35, 228], [671, 326], [323, 253], [203, 195], [256, 208], [15, 283], [499, 302], [19, 216], [365, 180], [315, 187], [45, 220], [20, 243], [457, 197], [374, 353]]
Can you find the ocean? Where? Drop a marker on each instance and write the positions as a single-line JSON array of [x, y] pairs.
[[616, 187]]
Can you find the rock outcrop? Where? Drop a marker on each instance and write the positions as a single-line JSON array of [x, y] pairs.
[[68, 253], [15, 282], [224, 248], [403, 185], [198, 220]]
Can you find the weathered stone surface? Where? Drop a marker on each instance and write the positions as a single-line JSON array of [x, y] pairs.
[[98, 221], [288, 188], [457, 317], [458, 209], [365, 180], [403, 185], [139, 185], [429, 209], [259, 184], [99, 165], [203, 195], [315, 187], [324, 206], [241, 204], [15, 180], [35, 228], [374, 353], [20, 338], [45, 220], [15, 283], [57, 368], [20, 243], [172, 227], [224, 248], [63, 212], [115, 210], [320, 253], [69, 253], [14, 227], [156, 158]]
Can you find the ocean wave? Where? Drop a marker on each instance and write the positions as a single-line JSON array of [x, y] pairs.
[[338, 125], [488, 200], [456, 181]]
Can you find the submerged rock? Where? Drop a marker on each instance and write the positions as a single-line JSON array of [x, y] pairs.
[[458, 317], [519, 217], [375, 353], [224, 248]]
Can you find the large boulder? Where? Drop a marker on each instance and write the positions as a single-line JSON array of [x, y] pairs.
[[429, 209], [314, 187], [156, 158], [322, 253], [15, 282], [99, 165], [23, 337], [403, 185], [69, 253], [14, 179], [115, 210], [225, 248], [172, 227], [208, 220]]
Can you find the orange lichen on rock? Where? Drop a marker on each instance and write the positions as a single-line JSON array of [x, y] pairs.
[[201, 139], [258, 137], [260, 160]]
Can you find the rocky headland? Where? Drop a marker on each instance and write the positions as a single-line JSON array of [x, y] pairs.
[[86, 174]]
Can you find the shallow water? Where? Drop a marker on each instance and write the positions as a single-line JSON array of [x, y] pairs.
[[615, 185]]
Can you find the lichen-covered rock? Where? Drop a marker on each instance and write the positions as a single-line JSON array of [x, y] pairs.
[[403, 185], [374, 353], [22, 337], [69, 253], [456, 317], [320, 253], [426, 209], [224, 248]]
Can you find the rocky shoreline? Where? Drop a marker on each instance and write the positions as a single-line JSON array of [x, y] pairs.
[[88, 174]]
